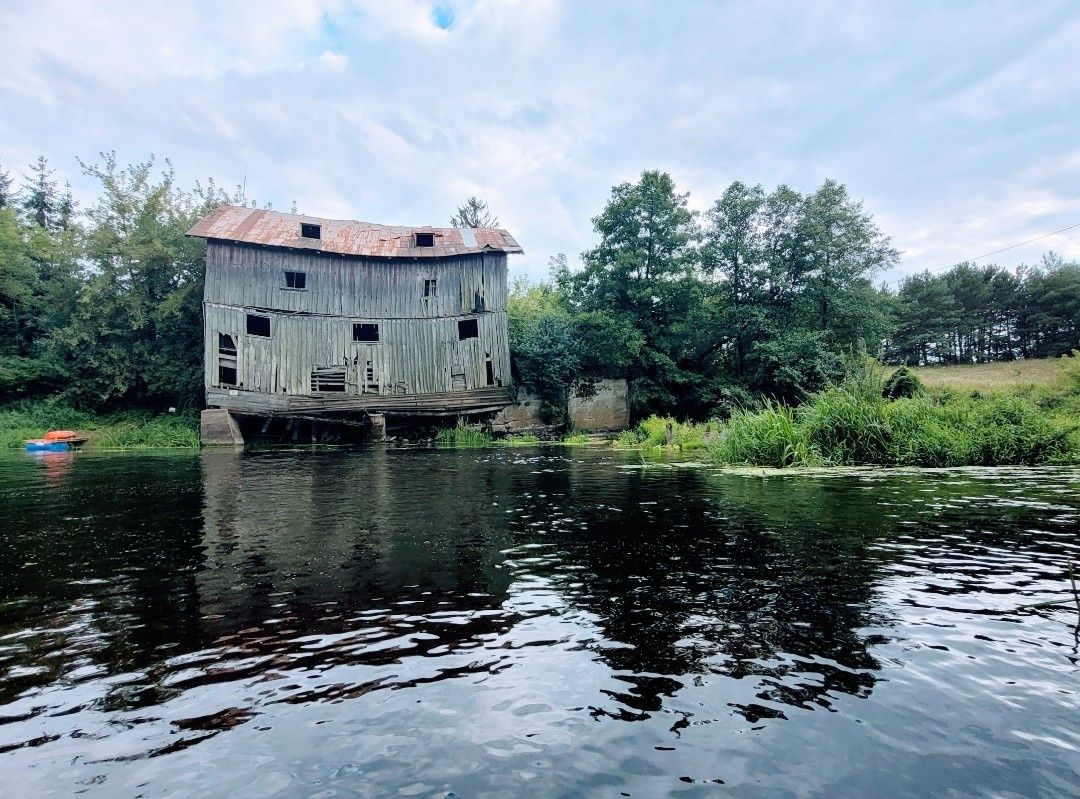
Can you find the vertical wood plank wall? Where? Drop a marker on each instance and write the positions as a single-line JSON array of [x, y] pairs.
[[418, 349]]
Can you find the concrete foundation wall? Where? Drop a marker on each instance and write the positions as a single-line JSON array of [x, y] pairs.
[[217, 427], [606, 408], [521, 417]]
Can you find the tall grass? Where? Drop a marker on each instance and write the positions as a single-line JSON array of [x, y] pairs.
[[123, 430], [852, 424], [771, 436], [463, 436]]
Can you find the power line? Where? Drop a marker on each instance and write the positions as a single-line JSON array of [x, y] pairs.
[[995, 252], [1021, 244]]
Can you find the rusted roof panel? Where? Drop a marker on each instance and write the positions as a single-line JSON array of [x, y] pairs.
[[343, 236]]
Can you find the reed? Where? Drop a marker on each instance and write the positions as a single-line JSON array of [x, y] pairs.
[[463, 436]]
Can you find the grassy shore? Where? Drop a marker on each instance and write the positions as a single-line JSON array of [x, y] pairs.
[[126, 430], [1033, 422]]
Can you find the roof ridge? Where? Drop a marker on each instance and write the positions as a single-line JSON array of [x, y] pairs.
[[267, 227]]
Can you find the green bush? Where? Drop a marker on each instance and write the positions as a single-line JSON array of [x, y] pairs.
[[652, 432], [902, 384], [851, 424]]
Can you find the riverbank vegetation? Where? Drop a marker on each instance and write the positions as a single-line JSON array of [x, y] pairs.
[[741, 314], [128, 429], [760, 297], [855, 422]]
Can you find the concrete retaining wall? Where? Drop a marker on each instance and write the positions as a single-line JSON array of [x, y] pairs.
[[521, 417], [605, 407]]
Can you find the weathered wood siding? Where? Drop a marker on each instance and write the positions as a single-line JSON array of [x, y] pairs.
[[339, 285], [418, 352]]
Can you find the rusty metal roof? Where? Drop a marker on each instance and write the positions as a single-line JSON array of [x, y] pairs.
[[343, 236]]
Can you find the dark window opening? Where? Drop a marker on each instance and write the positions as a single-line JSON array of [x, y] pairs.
[[479, 303], [328, 378], [258, 325], [365, 331], [425, 239], [310, 231], [296, 280], [429, 287], [467, 328], [490, 373], [226, 360]]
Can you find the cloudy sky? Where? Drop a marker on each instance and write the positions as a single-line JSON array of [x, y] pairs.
[[958, 124]]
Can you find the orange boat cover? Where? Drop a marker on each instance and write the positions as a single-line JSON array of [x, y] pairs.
[[60, 435]]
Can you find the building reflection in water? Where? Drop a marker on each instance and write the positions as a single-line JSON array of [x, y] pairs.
[[398, 554]]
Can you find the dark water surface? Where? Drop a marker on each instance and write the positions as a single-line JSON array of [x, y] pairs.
[[559, 622]]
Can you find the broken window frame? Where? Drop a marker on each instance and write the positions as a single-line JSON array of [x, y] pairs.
[[371, 327], [261, 318], [431, 287], [227, 361], [371, 381], [468, 329], [329, 379]]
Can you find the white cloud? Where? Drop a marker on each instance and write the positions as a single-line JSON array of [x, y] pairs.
[[959, 143], [335, 62]]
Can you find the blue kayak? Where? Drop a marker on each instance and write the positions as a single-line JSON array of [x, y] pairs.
[[41, 445]]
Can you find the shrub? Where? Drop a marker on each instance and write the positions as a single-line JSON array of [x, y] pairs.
[[902, 384], [851, 424], [922, 434]]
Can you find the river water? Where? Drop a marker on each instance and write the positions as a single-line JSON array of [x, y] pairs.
[[550, 622]]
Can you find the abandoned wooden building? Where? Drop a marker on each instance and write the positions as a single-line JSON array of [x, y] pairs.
[[322, 318]]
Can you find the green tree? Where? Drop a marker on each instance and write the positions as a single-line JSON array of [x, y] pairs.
[[642, 275], [473, 213], [734, 251], [136, 334], [7, 194], [838, 247], [545, 351], [40, 203], [18, 289]]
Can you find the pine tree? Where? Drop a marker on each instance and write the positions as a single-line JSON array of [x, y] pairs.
[[40, 203], [7, 195], [66, 208], [473, 213]]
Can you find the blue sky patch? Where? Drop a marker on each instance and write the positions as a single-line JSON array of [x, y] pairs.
[[443, 17]]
